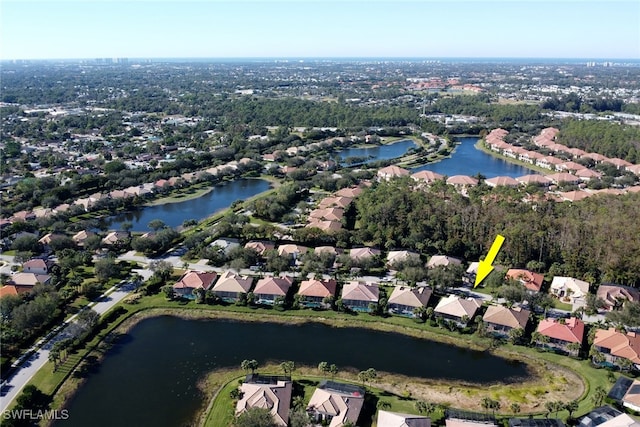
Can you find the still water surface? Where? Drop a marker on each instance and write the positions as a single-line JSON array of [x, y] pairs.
[[149, 378]]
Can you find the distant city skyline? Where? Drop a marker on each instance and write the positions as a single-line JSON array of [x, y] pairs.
[[79, 29]]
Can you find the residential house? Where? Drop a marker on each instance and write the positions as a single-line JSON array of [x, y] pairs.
[[500, 320], [267, 392], [570, 290], [458, 310], [49, 237], [535, 422], [336, 404], [319, 250], [404, 300], [115, 237], [192, 280], [626, 392], [361, 254], [312, 292], [617, 345], [391, 172], [483, 421], [14, 290], [230, 284], [292, 251], [470, 275], [357, 296], [530, 280], [81, 237], [504, 181], [226, 244], [29, 279], [337, 201], [36, 266], [260, 246], [396, 419], [563, 178], [562, 333], [351, 192], [270, 288], [606, 416], [462, 181], [427, 177], [614, 296], [533, 179], [397, 257], [442, 261]]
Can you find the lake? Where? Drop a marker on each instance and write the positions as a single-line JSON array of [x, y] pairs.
[[379, 152], [174, 214], [149, 377], [468, 160]]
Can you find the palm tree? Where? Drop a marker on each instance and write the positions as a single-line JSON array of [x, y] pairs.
[[598, 396], [288, 366], [574, 348], [515, 408], [571, 407], [383, 404], [486, 403], [333, 370], [323, 367], [251, 365]]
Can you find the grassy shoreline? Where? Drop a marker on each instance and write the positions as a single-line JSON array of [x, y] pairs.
[[480, 145], [544, 364]]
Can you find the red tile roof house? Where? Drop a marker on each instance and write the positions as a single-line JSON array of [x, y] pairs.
[[358, 296], [616, 346], [530, 280], [500, 320], [191, 281], [404, 300], [230, 284], [562, 333], [270, 288], [313, 292]]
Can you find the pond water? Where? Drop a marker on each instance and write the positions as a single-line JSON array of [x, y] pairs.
[[149, 377], [174, 214], [378, 152], [468, 160]]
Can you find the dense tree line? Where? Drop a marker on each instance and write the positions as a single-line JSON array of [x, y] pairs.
[[606, 138], [597, 239]]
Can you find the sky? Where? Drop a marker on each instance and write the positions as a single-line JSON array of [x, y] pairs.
[[52, 29]]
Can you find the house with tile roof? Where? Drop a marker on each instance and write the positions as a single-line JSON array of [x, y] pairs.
[[115, 237], [260, 246], [530, 280], [36, 266], [14, 290], [396, 419], [360, 254], [427, 177], [230, 284], [351, 192], [504, 181], [404, 300], [336, 404], [562, 332], [461, 181], [397, 257], [458, 310], [500, 320], [357, 296], [313, 292], [533, 179], [192, 280], [391, 172], [29, 279], [81, 236], [616, 345], [292, 251], [614, 296], [442, 261], [569, 289], [271, 393], [269, 288]]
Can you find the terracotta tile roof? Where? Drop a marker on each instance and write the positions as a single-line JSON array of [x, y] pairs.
[[273, 286], [274, 397], [462, 180], [392, 172], [534, 179], [318, 288], [260, 247], [610, 293], [351, 192], [14, 290], [530, 280], [619, 344], [502, 181], [427, 176], [363, 253], [571, 331], [196, 280], [358, 291], [511, 317]]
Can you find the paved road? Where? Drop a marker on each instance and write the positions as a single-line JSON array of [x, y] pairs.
[[26, 368]]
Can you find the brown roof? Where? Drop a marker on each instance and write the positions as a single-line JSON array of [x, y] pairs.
[[358, 291], [13, 290], [461, 180], [232, 282], [533, 179], [511, 317], [273, 286], [610, 293], [392, 171], [532, 281], [274, 397], [411, 297], [458, 307], [427, 176], [260, 247]]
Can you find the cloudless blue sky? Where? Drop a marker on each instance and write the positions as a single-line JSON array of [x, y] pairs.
[[51, 29]]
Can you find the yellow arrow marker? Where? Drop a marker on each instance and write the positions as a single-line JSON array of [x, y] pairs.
[[485, 267]]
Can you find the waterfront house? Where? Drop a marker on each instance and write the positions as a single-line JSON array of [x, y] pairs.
[[617, 345], [606, 416], [427, 177], [336, 404], [192, 280], [614, 296], [395, 419], [504, 181], [312, 292], [270, 288], [561, 333], [115, 238], [81, 237], [272, 393], [533, 179], [563, 178], [462, 181], [500, 320], [230, 284], [357, 296], [626, 392], [535, 422], [458, 310], [391, 172], [530, 280], [404, 300]]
